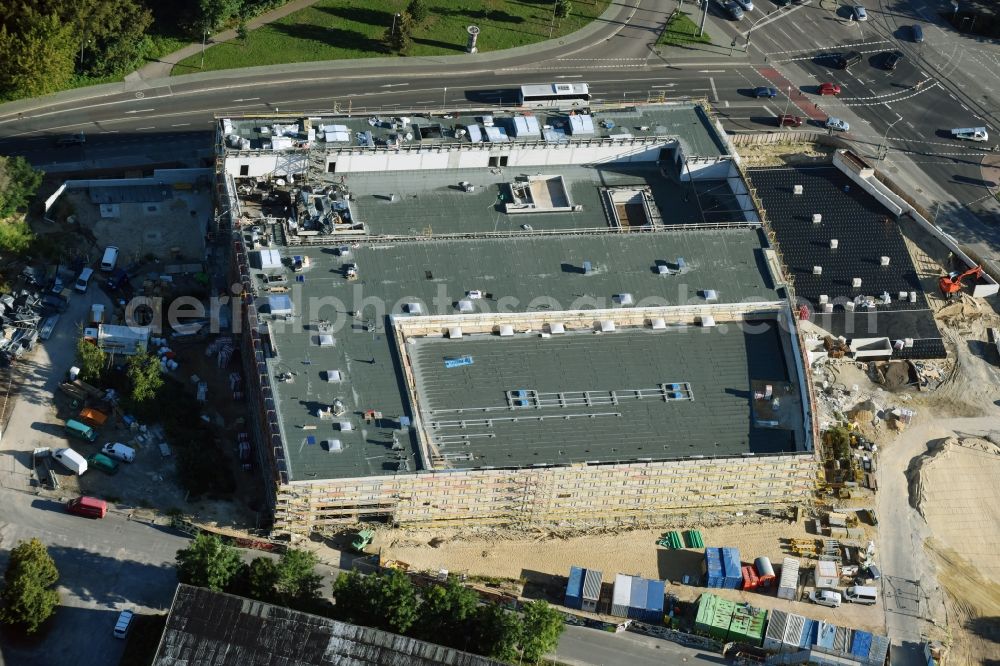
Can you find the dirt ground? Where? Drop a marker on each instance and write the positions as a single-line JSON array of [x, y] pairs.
[[784, 154], [544, 559]]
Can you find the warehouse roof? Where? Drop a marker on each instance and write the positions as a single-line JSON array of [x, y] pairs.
[[205, 627], [340, 325]]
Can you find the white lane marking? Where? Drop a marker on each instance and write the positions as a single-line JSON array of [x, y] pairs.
[[109, 132], [700, 89], [429, 101], [570, 76], [711, 71], [250, 99], [139, 129], [759, 23], [140, 110], [181, 125], [715, 93], [770, 112]]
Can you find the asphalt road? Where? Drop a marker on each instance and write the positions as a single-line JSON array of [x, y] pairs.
[[580, 646]]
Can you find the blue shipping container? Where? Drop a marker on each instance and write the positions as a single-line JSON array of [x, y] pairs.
[[861, 644], [574, 589], [654, 598], [637, 600], [714, 576], [731, 568]]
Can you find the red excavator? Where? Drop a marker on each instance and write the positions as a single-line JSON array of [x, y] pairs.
[[951, 284]]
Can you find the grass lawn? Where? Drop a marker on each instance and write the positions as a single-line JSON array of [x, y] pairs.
[[682, 30], [342, 29]]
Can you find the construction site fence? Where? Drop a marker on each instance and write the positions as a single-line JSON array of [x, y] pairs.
[[741, 138]]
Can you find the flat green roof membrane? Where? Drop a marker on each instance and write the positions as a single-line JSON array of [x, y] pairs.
[[527, 273]]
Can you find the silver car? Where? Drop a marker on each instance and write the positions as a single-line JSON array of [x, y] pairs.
[[746, 4], [837, 124], [860, 14]]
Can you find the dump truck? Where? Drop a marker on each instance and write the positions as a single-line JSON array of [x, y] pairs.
[[362, 540]]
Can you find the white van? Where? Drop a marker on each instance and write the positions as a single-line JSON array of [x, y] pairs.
[[110, 259], [119, 451], [861, 594], [71, 460], [825, 598], [83, 281], [971, 133]]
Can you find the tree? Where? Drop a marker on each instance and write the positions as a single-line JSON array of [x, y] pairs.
[[446, 612], [15, 236], [497, 633], [297, 582], [384, 600], [36, 53], [18, 183], [28, 598], [91, 359], [241, 30], [542, 627], [208, 562], [262, 576], [563, 8], [144, 373], [418, 11], [399, 35], [213, 14]]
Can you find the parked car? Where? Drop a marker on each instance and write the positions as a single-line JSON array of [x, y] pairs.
[[917, 33], [734, 9], [829, 89], [825, 598], [88, 507], [859, 13], [123, 623], [71, 140], [891, 59], [764, 91], [119, 451], [787, 120], [747, 5], [837, 124]]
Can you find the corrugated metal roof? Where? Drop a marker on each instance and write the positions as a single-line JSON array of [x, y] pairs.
[[592, 584]]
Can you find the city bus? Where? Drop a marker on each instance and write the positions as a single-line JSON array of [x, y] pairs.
[[555, 95]]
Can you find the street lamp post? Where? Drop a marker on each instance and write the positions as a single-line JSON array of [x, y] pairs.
[[204, 38], [394, 17], [788, 99], [885, 137]]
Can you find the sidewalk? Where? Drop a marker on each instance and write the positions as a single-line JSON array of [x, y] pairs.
[[161, 68]]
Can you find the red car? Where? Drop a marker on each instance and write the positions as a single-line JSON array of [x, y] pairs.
[[786, 120], [829, 89]]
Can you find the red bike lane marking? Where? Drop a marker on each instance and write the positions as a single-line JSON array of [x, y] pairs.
[[803, 103]]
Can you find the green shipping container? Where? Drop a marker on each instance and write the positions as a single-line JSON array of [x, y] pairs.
[[746, 626], [714, 616]]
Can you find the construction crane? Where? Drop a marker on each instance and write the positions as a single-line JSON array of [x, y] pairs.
[[951, 284]]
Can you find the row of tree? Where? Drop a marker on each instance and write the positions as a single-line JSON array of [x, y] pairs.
[[18, 184], [447, 614], [46, 44]]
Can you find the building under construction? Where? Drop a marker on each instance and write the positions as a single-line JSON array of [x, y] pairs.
[[511, 318]]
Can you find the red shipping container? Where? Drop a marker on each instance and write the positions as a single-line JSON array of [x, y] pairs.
[[750, 579]]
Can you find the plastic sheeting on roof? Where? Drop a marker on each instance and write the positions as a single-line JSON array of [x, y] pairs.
[[581, 124], [280, 305], [497, 134], [340, 133], [270, 259], [526, 126]]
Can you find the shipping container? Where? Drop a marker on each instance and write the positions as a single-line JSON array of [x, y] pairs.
[[574, 589], [621, 595], [732, 568], [637, 598], [789, 583], [861, 644], [591, 590], [825, 634], [774, 638], [879, 651], [747, 625], [714, 576], [654, 601]]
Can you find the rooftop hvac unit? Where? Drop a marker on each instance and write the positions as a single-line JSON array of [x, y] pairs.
[[506, 331], [455, 332], [883, 261], [658, 324], [624, 299], [333, 376], [903, 295], [333, 446], [326, 340], [710, 294], [913, 297], [834, 243], [663, 269], [828, 307], [849, 306], [414, 308], [707, 321], [817, 218], [465, 305], [557, 327], [345, 426], [607, 326], [856, 282], [823, 298], [817, 270], [796, 189]]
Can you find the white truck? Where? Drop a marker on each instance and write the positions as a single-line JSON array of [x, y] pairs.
[[119, 451], [970, 133], [71, 460]]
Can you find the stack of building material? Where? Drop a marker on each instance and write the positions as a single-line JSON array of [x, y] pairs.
[[788, 585], [574, 589], [765, 572], [670, 539], [693, 539], [638, 598], [750, 578]]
